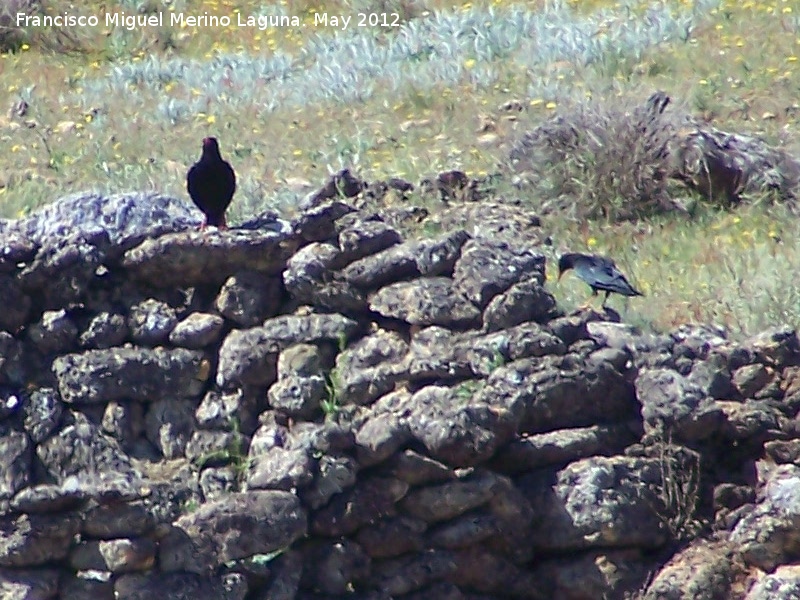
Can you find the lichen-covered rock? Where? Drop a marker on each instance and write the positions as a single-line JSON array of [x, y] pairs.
[[370, 367], [150, 322], [457, 427], [124, 421], [783, 584], [488, 268], [180, 586], [33, 540], [15, 463], [197, 331], [117, 556], [22, 584], [48, 498], [556, 392], [612, 574], [318, 224], [280, 469], [169, 424], [124, 218], [248, 297], [130, 374], [525, 300], [233, 527], [363, 238], [204, 258], [368, 501], [424, 258], [705, 569], [599, 502], [61, 274], [444, 501], [54, 333], [425, 301], [42, 413], [674, 403], [298, 397], [558, 448], [105, 330], [334, 474], [767, 536], [82, 450]]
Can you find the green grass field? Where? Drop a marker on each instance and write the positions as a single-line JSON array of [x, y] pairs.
[[112, 109]]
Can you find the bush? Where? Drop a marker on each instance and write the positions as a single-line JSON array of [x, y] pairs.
[[11, 36], [600, 160]]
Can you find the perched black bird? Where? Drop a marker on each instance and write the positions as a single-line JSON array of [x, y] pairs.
[[211, 183], [599, 272]]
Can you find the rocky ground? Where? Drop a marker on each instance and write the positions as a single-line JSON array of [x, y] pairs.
[[326, 408]]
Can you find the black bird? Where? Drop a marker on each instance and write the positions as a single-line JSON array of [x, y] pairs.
[[599, 272], [211, 184]]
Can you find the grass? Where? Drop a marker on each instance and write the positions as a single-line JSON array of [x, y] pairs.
[[112, 110]]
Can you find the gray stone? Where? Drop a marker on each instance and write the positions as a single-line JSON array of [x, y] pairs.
[[233, 527], [130, 374], [15, 463], [425, 301], [54, 333], [179, 586], [48, 498], [197, 331], [81, 449], [525, 300], [150, 322], [124, 421], [280, 469], [488, 268], [33, 540], [444, 501], [216, 483], [368, 501], [169, 425], [558, 448], [338, 567], [302, 360], [393, 536], [116, 556], [194, 258], [29, 584], [599, 502], [105, 330], [43, 411], [298, 397], [248, 297], [410, 259]]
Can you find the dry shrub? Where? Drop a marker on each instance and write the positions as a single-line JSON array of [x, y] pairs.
[[601, 160], [56, 39], [11, 36]]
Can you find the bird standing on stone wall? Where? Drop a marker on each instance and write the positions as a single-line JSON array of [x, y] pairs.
[[599, 272], [211, 184]]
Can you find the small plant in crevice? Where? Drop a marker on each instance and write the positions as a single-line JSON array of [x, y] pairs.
[[331, 404], [234, 454], [466, 389], [679, 492]]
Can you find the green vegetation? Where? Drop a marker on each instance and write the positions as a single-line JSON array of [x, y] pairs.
[[113, 109]]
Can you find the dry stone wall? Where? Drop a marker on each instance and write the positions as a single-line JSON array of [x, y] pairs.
[[323, 408]]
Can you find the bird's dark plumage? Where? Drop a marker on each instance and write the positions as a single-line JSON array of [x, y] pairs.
[[211, 184], [599, 272]]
